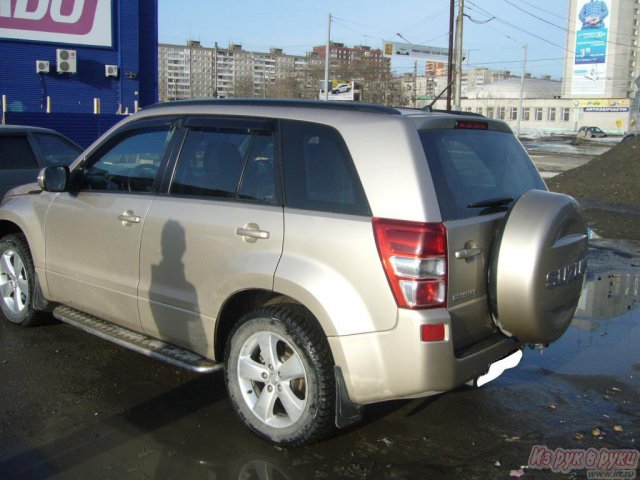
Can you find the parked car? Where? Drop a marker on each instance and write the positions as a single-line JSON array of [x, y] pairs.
[[24, 151], [328, 255], [628, 136], [590, 132]]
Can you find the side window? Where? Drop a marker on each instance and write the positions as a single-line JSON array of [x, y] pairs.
[[226, 163], [318, 171], [130, 163], [16, 153], [56, 151]]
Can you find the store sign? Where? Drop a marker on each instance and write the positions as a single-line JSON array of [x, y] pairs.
[[601, 103], [589, 75], [78, 22]]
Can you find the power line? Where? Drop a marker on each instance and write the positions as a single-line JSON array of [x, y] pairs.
[[543, 10], [536, 17]]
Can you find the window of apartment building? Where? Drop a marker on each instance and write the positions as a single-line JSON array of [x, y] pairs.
[[513, 113], [502, 111], [526, 114], [565, 114], [538, 113], [551, 114], [479, 110], [489, 112]]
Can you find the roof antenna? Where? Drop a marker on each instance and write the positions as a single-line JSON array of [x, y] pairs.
[[429, 108]]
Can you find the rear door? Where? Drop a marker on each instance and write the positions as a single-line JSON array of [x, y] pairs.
[[217, 230], [18, 163], [478, 173]]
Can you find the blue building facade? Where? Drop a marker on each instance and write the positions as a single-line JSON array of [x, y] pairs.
[[113, 44]]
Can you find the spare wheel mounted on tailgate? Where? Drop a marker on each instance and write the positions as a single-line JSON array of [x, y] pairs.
[[537, 267]]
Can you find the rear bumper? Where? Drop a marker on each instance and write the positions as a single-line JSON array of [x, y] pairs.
[[396, 364]]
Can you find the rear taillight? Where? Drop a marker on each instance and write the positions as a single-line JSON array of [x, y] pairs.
[[414, 256]]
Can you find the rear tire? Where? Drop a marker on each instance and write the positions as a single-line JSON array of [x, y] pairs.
[[17, 282], [279, 375]]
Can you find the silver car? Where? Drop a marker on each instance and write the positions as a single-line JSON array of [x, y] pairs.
[[328, 255]]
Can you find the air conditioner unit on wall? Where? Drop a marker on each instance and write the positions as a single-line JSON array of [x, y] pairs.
[[66, 61], [111, 71], [42, 66]]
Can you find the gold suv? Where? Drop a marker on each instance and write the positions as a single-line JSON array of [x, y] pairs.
[[328, 255]]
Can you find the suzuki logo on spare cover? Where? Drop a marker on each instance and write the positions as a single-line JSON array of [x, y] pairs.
[[83, 22]]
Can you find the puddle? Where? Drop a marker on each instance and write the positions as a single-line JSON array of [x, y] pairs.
[[604, 336], [542, 148]]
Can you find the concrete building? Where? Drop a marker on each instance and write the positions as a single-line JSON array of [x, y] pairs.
[[196, 71], [343, 55], [603, 61], [602, 68], [543, 107]]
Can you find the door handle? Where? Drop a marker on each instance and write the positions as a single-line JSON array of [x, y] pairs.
[[127, 218], [466, 253], [251, 233]]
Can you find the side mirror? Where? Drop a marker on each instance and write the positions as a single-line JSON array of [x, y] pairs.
[[53, 179]]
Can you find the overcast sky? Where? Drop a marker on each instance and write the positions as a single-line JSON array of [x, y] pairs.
[[297, 26]]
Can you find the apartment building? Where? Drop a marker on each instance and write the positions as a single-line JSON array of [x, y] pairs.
[[196, 71]]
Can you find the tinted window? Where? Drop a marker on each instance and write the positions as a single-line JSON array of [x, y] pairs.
[[470, 166], [318, 170], [55, 150], [129, 163], [226, 163], [16, 153]]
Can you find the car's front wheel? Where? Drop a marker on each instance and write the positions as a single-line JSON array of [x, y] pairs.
[[17, 281], [279, 375]]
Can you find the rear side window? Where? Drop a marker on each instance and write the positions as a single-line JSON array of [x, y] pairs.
[[16, 153], [227, 163], [318, 171], [472, 166], [56, 151]]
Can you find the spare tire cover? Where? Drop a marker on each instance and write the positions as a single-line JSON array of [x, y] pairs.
[[537, 267]]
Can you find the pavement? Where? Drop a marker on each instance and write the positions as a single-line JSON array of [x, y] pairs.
[[73, 406]]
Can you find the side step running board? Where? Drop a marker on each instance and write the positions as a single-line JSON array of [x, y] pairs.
[[138, 342]]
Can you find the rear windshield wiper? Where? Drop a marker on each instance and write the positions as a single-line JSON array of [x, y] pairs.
[[491, 202]]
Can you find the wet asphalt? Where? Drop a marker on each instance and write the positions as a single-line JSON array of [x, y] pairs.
[[73, 406]]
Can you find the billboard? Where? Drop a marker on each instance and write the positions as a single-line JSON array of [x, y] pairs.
[[341, 90], [78, 22], [589, 73]]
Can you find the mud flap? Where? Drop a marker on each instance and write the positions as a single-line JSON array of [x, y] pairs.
[[347, 412]]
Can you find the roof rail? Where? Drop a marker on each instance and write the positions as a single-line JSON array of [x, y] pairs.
[[268, 102]]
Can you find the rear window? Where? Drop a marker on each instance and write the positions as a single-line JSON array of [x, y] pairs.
[[474, 166], [56, 151], [16, 153]]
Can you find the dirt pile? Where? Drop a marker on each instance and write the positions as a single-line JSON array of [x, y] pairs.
[[611, 178]]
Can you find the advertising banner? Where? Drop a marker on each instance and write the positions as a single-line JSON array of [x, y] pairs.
[[408, 50], [590, 60], [77, 22]]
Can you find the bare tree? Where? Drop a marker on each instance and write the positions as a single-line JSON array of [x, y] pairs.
[[243, 86]]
